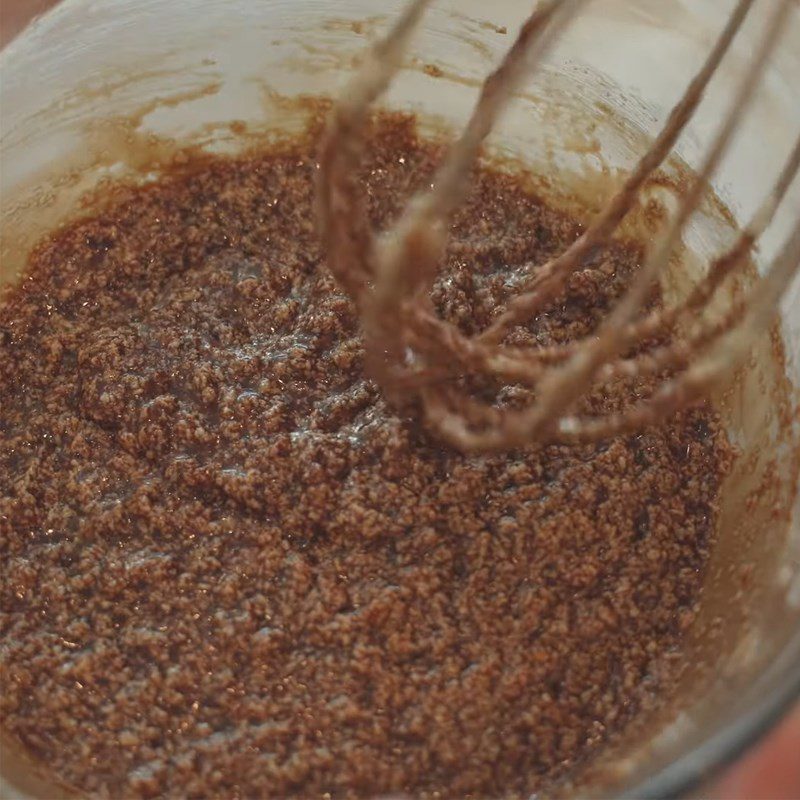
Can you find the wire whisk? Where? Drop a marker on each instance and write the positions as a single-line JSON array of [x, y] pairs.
[[413, 354]]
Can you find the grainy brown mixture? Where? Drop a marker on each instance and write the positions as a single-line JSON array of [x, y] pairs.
[[229, 571]]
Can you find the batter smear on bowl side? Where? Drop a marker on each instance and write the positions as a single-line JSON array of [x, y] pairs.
[[230, 570]]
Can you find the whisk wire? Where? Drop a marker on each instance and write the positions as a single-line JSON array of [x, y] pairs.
[[548, 281]]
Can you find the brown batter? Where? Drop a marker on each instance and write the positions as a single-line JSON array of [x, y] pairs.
[[229, 571]]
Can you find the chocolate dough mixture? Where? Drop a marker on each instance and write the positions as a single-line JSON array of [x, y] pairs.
[[229, 570]]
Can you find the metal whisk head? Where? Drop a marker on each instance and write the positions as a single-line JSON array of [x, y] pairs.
[[414, 354]]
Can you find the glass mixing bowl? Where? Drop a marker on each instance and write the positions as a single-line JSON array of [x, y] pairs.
[[93, 91]]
